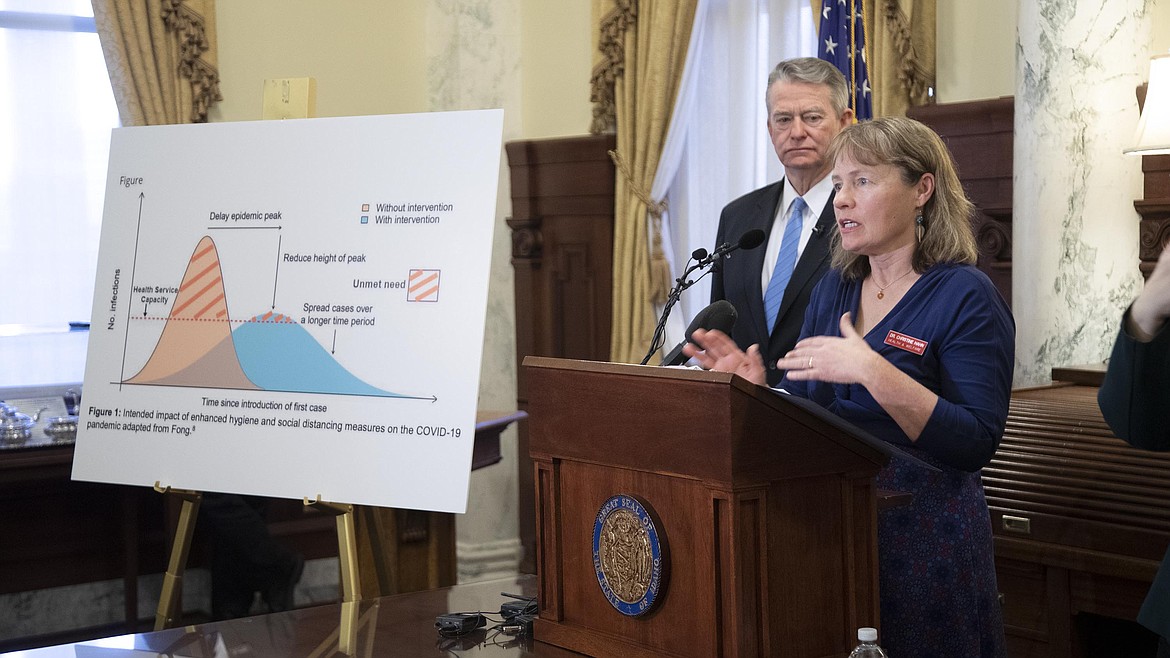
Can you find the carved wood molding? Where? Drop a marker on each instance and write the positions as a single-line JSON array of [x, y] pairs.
[[527, 238], [993, 237], [1154, 206], [1153, 231]]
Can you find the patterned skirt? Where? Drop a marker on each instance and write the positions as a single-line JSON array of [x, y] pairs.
[[938, 590]]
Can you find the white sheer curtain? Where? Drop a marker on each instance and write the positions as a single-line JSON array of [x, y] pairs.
[[717, 148], [56, 113]]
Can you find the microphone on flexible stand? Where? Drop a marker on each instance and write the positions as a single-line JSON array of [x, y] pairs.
[[749, 240], [719, 315]]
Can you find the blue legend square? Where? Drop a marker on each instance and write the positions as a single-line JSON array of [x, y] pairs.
[[365, 219]]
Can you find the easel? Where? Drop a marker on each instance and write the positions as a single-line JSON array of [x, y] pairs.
[[290, 98], [347, 557], [169, 599]]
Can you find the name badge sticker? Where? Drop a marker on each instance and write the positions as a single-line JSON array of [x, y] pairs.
[[904, 342]]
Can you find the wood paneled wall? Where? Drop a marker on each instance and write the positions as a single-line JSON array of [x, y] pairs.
[[979, 135], [562, 253]]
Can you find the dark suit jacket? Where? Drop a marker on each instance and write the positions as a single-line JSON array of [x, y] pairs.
[[737, 277], [1135, 400]]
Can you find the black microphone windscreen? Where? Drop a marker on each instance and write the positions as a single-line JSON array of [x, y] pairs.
[[720, 315], [699, 254], [700, 321], [751, 239]]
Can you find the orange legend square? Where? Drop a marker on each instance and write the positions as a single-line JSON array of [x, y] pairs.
[[422, 286]]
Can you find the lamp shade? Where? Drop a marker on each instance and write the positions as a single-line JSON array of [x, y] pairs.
[[1153, 129]]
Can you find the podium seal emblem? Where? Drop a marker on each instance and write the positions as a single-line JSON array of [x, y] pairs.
[[629, 555]]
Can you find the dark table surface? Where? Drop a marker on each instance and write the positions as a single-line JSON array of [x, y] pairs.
[[399, 625]]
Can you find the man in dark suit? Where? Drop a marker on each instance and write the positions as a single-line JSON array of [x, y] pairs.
[[1135, 400], [808, 104]]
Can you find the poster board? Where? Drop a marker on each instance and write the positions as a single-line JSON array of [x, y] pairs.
[[293, 308]]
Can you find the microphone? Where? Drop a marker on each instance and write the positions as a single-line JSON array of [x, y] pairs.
[[719, 315], [749, 240]]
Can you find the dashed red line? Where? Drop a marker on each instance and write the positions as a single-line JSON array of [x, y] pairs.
[[267, 318]]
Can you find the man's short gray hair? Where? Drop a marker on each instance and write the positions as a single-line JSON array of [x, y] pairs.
[[813, 71]]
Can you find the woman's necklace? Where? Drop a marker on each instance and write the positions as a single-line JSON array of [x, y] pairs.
[[882, 289]]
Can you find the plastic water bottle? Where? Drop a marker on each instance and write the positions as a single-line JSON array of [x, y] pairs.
[[867, 646]]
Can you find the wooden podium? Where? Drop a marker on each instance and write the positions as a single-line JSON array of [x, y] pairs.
[[766, 510]]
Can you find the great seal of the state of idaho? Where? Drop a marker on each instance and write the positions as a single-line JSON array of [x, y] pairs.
[[629, 555]]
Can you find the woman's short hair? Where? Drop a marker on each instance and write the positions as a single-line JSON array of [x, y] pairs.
[[915, 150]]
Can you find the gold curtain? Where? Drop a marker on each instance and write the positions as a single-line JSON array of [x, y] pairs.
[[161, 58], [643, 47], [900, 53]]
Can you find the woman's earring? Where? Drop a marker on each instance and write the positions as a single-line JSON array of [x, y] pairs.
[[919, 226]]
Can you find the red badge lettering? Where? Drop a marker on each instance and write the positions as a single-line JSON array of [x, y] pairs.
[[904, 342]]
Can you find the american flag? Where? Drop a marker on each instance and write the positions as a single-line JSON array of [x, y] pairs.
[[842, 42]]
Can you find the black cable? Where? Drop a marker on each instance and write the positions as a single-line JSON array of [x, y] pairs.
[[458, 624], [514, 620], [675, 294]]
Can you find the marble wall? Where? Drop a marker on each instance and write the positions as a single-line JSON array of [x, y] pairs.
[[1074, 251], [473, 62]]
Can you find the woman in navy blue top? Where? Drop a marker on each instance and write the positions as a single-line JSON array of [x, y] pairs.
[[907, 340]]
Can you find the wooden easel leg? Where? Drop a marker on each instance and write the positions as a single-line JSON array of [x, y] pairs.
[[168, 601], [347, 631], [347, 553], [350, 585]]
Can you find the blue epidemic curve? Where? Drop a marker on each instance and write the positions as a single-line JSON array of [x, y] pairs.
[[282, 356]]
